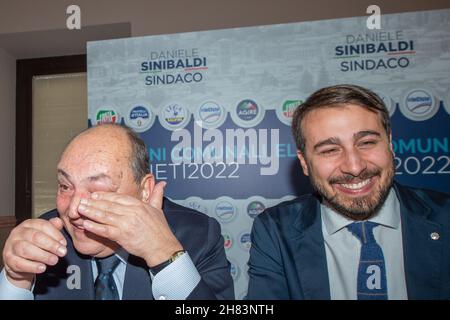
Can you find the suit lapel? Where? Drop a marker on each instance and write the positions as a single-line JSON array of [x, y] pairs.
[[137, 282], [70, 279], [422, 254], [309, 252], [86, 291]]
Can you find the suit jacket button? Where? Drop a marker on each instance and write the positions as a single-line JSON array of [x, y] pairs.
[[434, 236]]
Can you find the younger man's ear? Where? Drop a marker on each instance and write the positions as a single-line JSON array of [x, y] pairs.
[[390, 144], [303, 162]]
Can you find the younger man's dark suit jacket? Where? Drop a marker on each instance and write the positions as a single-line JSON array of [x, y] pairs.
[[288, 259]]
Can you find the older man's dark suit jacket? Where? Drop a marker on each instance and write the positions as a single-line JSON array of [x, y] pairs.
[[288, 260], [199, 235]]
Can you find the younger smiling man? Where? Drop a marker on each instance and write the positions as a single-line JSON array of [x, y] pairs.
[[361, 235]]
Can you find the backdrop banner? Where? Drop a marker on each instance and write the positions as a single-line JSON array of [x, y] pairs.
[[215, 107]]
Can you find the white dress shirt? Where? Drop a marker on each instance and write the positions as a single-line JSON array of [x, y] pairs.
[[343, 250]]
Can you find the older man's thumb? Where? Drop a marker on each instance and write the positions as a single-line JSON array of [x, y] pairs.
[[156, 199]]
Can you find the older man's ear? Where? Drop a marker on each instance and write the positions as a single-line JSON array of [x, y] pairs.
[[146, 187]]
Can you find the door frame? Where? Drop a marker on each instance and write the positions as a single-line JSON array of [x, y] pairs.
[[26, 69]]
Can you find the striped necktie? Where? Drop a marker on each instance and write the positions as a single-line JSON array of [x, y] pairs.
[[105, 287]]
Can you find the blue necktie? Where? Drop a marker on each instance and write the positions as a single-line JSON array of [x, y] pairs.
[[371, 271], [105, 287]]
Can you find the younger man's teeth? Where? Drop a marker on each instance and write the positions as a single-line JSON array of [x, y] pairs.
[[355, 186]]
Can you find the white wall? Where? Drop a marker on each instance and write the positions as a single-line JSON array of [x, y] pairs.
[[170, 16], [7, 132]]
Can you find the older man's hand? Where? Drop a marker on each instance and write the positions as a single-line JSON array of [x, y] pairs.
[[31, 247], [138, 227]]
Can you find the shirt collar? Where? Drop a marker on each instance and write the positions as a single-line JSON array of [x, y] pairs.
[[389, 215], [122, 255]]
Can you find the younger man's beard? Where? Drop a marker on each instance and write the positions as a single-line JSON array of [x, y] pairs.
[[361, 208]]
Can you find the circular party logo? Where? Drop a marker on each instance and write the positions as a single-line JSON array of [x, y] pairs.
[[224, 209], [254, 208], [419, 105], [234, 269], [197, 204], [247, 113], [247, 110], [244, 240], [447, 103], [286, 111], [139, 117], [210, 115], [107, 115], [174, 116], [227, 240]]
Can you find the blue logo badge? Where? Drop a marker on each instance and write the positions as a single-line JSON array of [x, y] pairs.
[[419, 105], [254, 208], [140, 118], [247, 110], [225, 211], [244, 240]]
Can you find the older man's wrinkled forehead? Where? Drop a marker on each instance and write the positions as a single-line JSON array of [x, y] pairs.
[[103, 149]]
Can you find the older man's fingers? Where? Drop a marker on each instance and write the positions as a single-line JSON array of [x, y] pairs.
[[30, 251], [113, 197], [58, 224], [105, 231], [47, 227], [107, 215], [34, 238], [18, 264]]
